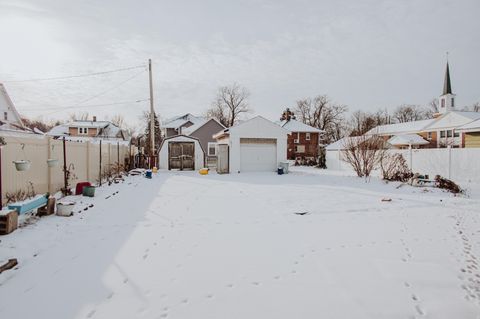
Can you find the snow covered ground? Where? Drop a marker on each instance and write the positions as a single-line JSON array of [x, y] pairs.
[[184, 245]]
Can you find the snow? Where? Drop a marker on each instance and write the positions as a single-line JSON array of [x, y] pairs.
[[407, 139], [297, 126], [342, 143], [182, 245], [472, 126], [401, 128]]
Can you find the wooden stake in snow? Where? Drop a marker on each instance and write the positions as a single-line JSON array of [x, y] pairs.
[[9, 265]]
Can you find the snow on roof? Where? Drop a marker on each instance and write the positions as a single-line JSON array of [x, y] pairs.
[[88, 124], [58, 130], [178, 121], [472, 126], [401, 128], [342, 143], [407, 139], [189, 130], [297, 126]]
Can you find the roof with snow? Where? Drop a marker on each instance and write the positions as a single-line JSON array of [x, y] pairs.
[[297, 126], [179, 121], [470, 127], [341, 144], [106, 129], [407, 139], [401, 128]]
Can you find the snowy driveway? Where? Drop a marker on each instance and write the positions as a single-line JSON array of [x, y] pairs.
[[231, 246]]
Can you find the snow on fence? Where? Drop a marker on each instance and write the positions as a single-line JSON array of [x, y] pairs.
[[458, 164], [83, 159]]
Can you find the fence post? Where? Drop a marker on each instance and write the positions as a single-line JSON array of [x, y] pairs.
[[109, 157], [410, 157], [339, 160], [88, 161], [49, 170], [449, 150]]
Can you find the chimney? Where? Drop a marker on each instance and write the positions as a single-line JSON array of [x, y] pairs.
[[94, 118]]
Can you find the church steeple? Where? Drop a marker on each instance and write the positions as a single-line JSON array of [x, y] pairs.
[[447, 86], [447, 99]]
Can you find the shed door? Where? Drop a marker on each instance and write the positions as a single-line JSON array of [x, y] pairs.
[[258, 154], [181, 155]]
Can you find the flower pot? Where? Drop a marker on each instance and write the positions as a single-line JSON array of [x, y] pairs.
[[65, 208], [52, 162], [88, 191], [22, 165]]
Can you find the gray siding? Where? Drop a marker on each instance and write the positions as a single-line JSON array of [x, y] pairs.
[[204, 134]]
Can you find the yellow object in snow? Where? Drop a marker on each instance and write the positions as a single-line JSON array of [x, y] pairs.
[[203, 171], [154, 169]]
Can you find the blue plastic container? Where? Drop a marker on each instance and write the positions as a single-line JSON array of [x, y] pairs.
[[148, 174], [280, 171]]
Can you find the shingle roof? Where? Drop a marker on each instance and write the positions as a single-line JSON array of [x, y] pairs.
[[297, 126], [407, 139]]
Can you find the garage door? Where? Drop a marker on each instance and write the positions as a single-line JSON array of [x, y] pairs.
[[257, 155]]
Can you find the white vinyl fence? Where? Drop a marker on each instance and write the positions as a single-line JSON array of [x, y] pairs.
[[83, 160], [458, 164]]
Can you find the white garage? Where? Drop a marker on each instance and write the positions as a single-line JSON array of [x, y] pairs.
[[258, 154], [256, 145]]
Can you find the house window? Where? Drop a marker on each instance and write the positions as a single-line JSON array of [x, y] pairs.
[[449, 133], [5, 116], [453, 102], [297, 139], [429, 136], [82, 130], [307, 136], [456, 134], [212, 149], [442, 134], [299, 148], [443, 102]]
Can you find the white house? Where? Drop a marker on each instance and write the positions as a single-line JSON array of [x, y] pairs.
[[10, 120], [254, 145]]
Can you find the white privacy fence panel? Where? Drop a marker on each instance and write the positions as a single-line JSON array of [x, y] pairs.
[[83, 160], [458, 164]]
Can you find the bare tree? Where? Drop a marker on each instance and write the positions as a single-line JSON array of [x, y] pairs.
[[230, 103], [362, 122], [408, 113], [433, 106], [80, 116], [364, 153], [475, 107], [118, 120], [321, 113]]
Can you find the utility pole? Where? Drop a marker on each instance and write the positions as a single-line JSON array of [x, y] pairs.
[[152, 117]]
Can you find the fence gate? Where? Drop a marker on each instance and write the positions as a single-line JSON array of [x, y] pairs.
[[181, 155], [222, 159]]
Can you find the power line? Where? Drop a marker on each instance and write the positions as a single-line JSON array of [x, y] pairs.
[[78, 75], [84, 106]]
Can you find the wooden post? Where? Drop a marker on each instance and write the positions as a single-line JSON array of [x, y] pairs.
[[1, 193], [152, 114], [65, 181], [87, 161], [49, 173], [100, 170], [118, 158]]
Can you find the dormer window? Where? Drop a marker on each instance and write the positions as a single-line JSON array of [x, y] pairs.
[[83, 131]]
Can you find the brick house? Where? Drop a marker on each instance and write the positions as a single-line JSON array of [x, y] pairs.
[[304, 140]]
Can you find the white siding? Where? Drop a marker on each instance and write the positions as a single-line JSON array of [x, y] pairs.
[[199, 155]]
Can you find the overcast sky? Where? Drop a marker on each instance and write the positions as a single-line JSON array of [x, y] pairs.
[[366, 54]]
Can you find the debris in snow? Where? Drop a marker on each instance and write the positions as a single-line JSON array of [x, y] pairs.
[[386, 199], [447, 184], [9, 265]]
